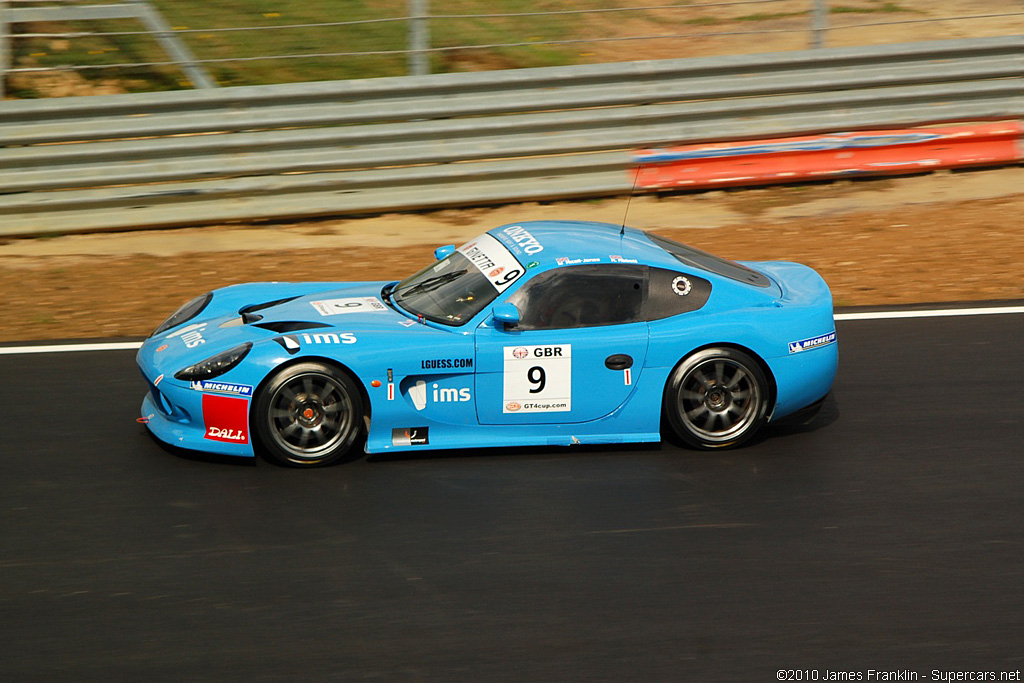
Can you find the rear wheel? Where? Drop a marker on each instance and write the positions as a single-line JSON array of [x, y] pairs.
[[308, 415], [716, 398]]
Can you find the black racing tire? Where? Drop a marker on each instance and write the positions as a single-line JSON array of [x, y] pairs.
[[308, 415], [716, 398]]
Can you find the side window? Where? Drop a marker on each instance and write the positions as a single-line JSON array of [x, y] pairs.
[[582, 296]]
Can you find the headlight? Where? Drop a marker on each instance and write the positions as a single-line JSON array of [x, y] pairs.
[[214, 366], [185, 313]]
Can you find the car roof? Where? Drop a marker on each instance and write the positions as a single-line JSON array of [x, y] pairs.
[[556, 243]]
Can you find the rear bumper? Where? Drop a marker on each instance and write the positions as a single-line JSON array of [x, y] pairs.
[[803, 379], [804, 415]]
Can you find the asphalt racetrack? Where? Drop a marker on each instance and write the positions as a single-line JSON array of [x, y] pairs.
[[887, 536]]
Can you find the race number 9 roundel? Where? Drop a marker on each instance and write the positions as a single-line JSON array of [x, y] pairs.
[[538, 379]]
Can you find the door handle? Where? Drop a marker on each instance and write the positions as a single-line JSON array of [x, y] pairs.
[[618, 361]]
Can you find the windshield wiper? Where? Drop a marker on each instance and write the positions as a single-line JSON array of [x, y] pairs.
[[386, 293], [433, 283]]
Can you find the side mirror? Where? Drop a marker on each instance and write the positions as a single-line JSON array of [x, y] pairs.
[[442, 252], [506, 315]]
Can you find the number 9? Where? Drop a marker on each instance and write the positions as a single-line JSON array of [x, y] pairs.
[[509, 277], [536, 376]]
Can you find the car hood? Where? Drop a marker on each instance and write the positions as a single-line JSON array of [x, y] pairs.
[[269, 311], [358, 304]]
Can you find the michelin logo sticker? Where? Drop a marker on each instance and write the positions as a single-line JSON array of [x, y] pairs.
[[222, 387], [812, 343]]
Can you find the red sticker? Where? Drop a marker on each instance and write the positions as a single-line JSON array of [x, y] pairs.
[[226, 418]]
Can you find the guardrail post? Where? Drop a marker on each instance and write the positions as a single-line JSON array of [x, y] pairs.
[[419, 37], [164, 34], [819, 23], [4, 54]]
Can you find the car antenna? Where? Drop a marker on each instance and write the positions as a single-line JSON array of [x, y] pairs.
[[636, 176]]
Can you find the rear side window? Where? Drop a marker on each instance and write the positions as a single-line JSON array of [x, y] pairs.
[[670, 293], [714, 264]]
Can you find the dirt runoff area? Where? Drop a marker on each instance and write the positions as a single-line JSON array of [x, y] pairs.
[[932, 238]]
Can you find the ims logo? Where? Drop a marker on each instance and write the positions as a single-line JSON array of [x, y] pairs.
[[438, 394], [451, 394]]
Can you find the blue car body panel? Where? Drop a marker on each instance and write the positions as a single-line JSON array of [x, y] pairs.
[[430, 385]]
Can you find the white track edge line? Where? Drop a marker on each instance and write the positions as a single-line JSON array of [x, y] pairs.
[[933, 313], [67, 348], [880, 315]]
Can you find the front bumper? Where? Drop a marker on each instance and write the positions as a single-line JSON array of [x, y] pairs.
[[184, 417]]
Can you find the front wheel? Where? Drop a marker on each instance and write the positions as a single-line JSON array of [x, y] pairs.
[[308, 415], [716, 398]]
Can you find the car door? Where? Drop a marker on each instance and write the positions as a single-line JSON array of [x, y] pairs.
[[576, 354]]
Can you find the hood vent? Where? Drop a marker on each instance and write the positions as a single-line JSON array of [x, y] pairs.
[[284, 326], [252, 308]]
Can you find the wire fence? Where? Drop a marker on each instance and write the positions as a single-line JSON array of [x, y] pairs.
[[407, 37]]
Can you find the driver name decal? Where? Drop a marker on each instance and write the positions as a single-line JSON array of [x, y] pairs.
[[537, 379], [493, 260]]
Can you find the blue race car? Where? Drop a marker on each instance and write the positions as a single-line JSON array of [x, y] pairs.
[[539, 333]]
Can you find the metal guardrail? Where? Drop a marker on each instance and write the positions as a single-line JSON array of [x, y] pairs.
[[347, 147]]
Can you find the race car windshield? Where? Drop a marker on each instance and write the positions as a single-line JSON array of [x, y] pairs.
[[458, 287], [449, 292]]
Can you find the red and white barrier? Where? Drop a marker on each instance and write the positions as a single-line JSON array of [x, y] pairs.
[[818, 157]]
